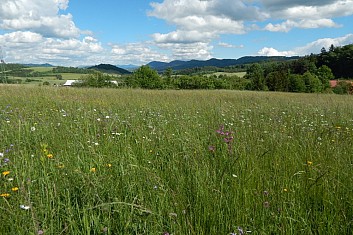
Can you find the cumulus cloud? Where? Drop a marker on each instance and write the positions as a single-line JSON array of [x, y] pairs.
[[203, 19], [304, 24], [29, 47], [313, 47], [38, 16], [305, 14], [135, 53], [227, 45], [206, 20]]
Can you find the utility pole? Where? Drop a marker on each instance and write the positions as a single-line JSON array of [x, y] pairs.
[[3, 78]]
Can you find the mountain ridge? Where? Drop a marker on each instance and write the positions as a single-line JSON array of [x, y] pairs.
[[180, 64]]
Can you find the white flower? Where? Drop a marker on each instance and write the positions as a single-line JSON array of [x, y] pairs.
[[33, 128], [1, 154], [23, 207]]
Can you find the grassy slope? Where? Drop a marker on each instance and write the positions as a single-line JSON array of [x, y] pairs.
[[138, 162]]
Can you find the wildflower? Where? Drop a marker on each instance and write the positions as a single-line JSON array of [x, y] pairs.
[[93, 169], [6, 160], [266, 204], [211, 148], [33, 128], [240, 230], [266, 193], [24, 207], [14, 189], [173, 214], [1, 154], [220, 130], [40, 232], [309, 163], [285, 190], [109, 165], [50, 156], [5, 173], [5, 195]]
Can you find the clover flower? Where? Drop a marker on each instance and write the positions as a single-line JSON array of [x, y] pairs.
[[24, 207]]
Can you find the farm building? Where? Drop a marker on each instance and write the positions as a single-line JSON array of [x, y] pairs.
[[70, 82], [334, 83]]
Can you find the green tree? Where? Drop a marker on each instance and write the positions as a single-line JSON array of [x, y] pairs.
[[97, 79], [296, 83], [277, 81], [312, 82], [255, 74], [147, 78], [324, 73]]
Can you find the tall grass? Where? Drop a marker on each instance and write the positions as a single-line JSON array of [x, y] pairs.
[[95, 161]]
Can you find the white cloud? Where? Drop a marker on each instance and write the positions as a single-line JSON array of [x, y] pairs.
[[135, 53], [306, 14], [304, 24], [29, 47], [38, 16], [205, 20], [266, 51], [187, 51], [313, 47], [227, 45]]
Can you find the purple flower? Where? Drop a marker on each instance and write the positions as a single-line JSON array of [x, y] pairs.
[[220, 130], [40, 232], [6, 160], [211, 148]]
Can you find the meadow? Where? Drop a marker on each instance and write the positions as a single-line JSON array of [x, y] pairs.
[[108, 161]]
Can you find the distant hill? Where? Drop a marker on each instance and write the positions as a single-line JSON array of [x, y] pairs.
[[108, 68], [129, 67], [179, 64]]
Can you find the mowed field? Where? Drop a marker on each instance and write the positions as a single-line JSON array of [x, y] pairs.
[[108, 161]]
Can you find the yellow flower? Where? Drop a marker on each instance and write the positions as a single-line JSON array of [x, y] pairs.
[[5, 173], [5, 195], [285, 190], [50, 155], [93, 169], [14, 189], [309, 163], [109, 165]]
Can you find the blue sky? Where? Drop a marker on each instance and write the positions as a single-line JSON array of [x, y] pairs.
[[88, 32]]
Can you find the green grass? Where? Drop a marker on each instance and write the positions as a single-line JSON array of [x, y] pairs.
[[41, 69], [239, 74], [101, 161]]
